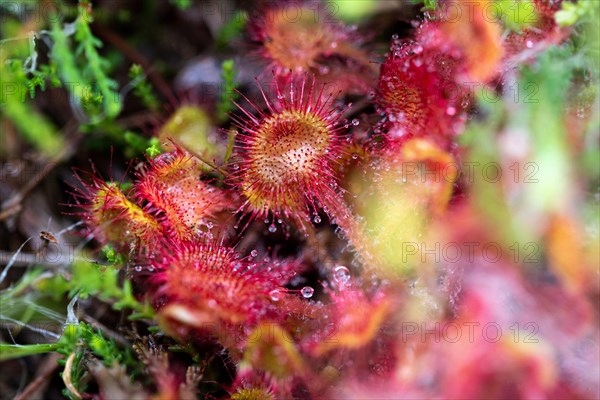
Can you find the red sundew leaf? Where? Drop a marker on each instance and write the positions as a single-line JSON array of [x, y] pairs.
[[406, 87], [113, 218], [172, 188], [523, 46], [208, 287], [252, 392], [251, 381], [292, 45], [286, 156], [417, 96], [296, 38]]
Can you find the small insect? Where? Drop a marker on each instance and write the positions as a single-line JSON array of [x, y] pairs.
[[48, 237]]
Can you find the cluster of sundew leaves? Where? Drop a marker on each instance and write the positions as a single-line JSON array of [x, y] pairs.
[[350, 306]]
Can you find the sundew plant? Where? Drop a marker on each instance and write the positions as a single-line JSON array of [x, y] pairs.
[[340, 199]]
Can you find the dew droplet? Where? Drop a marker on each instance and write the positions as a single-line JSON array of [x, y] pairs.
[[138, 268], [355, 122], [274, 294], [307, 292], [272, 228], [529, 44], [317, 219], [341, 274], [323, 70], [395, 36], [254, 253]]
